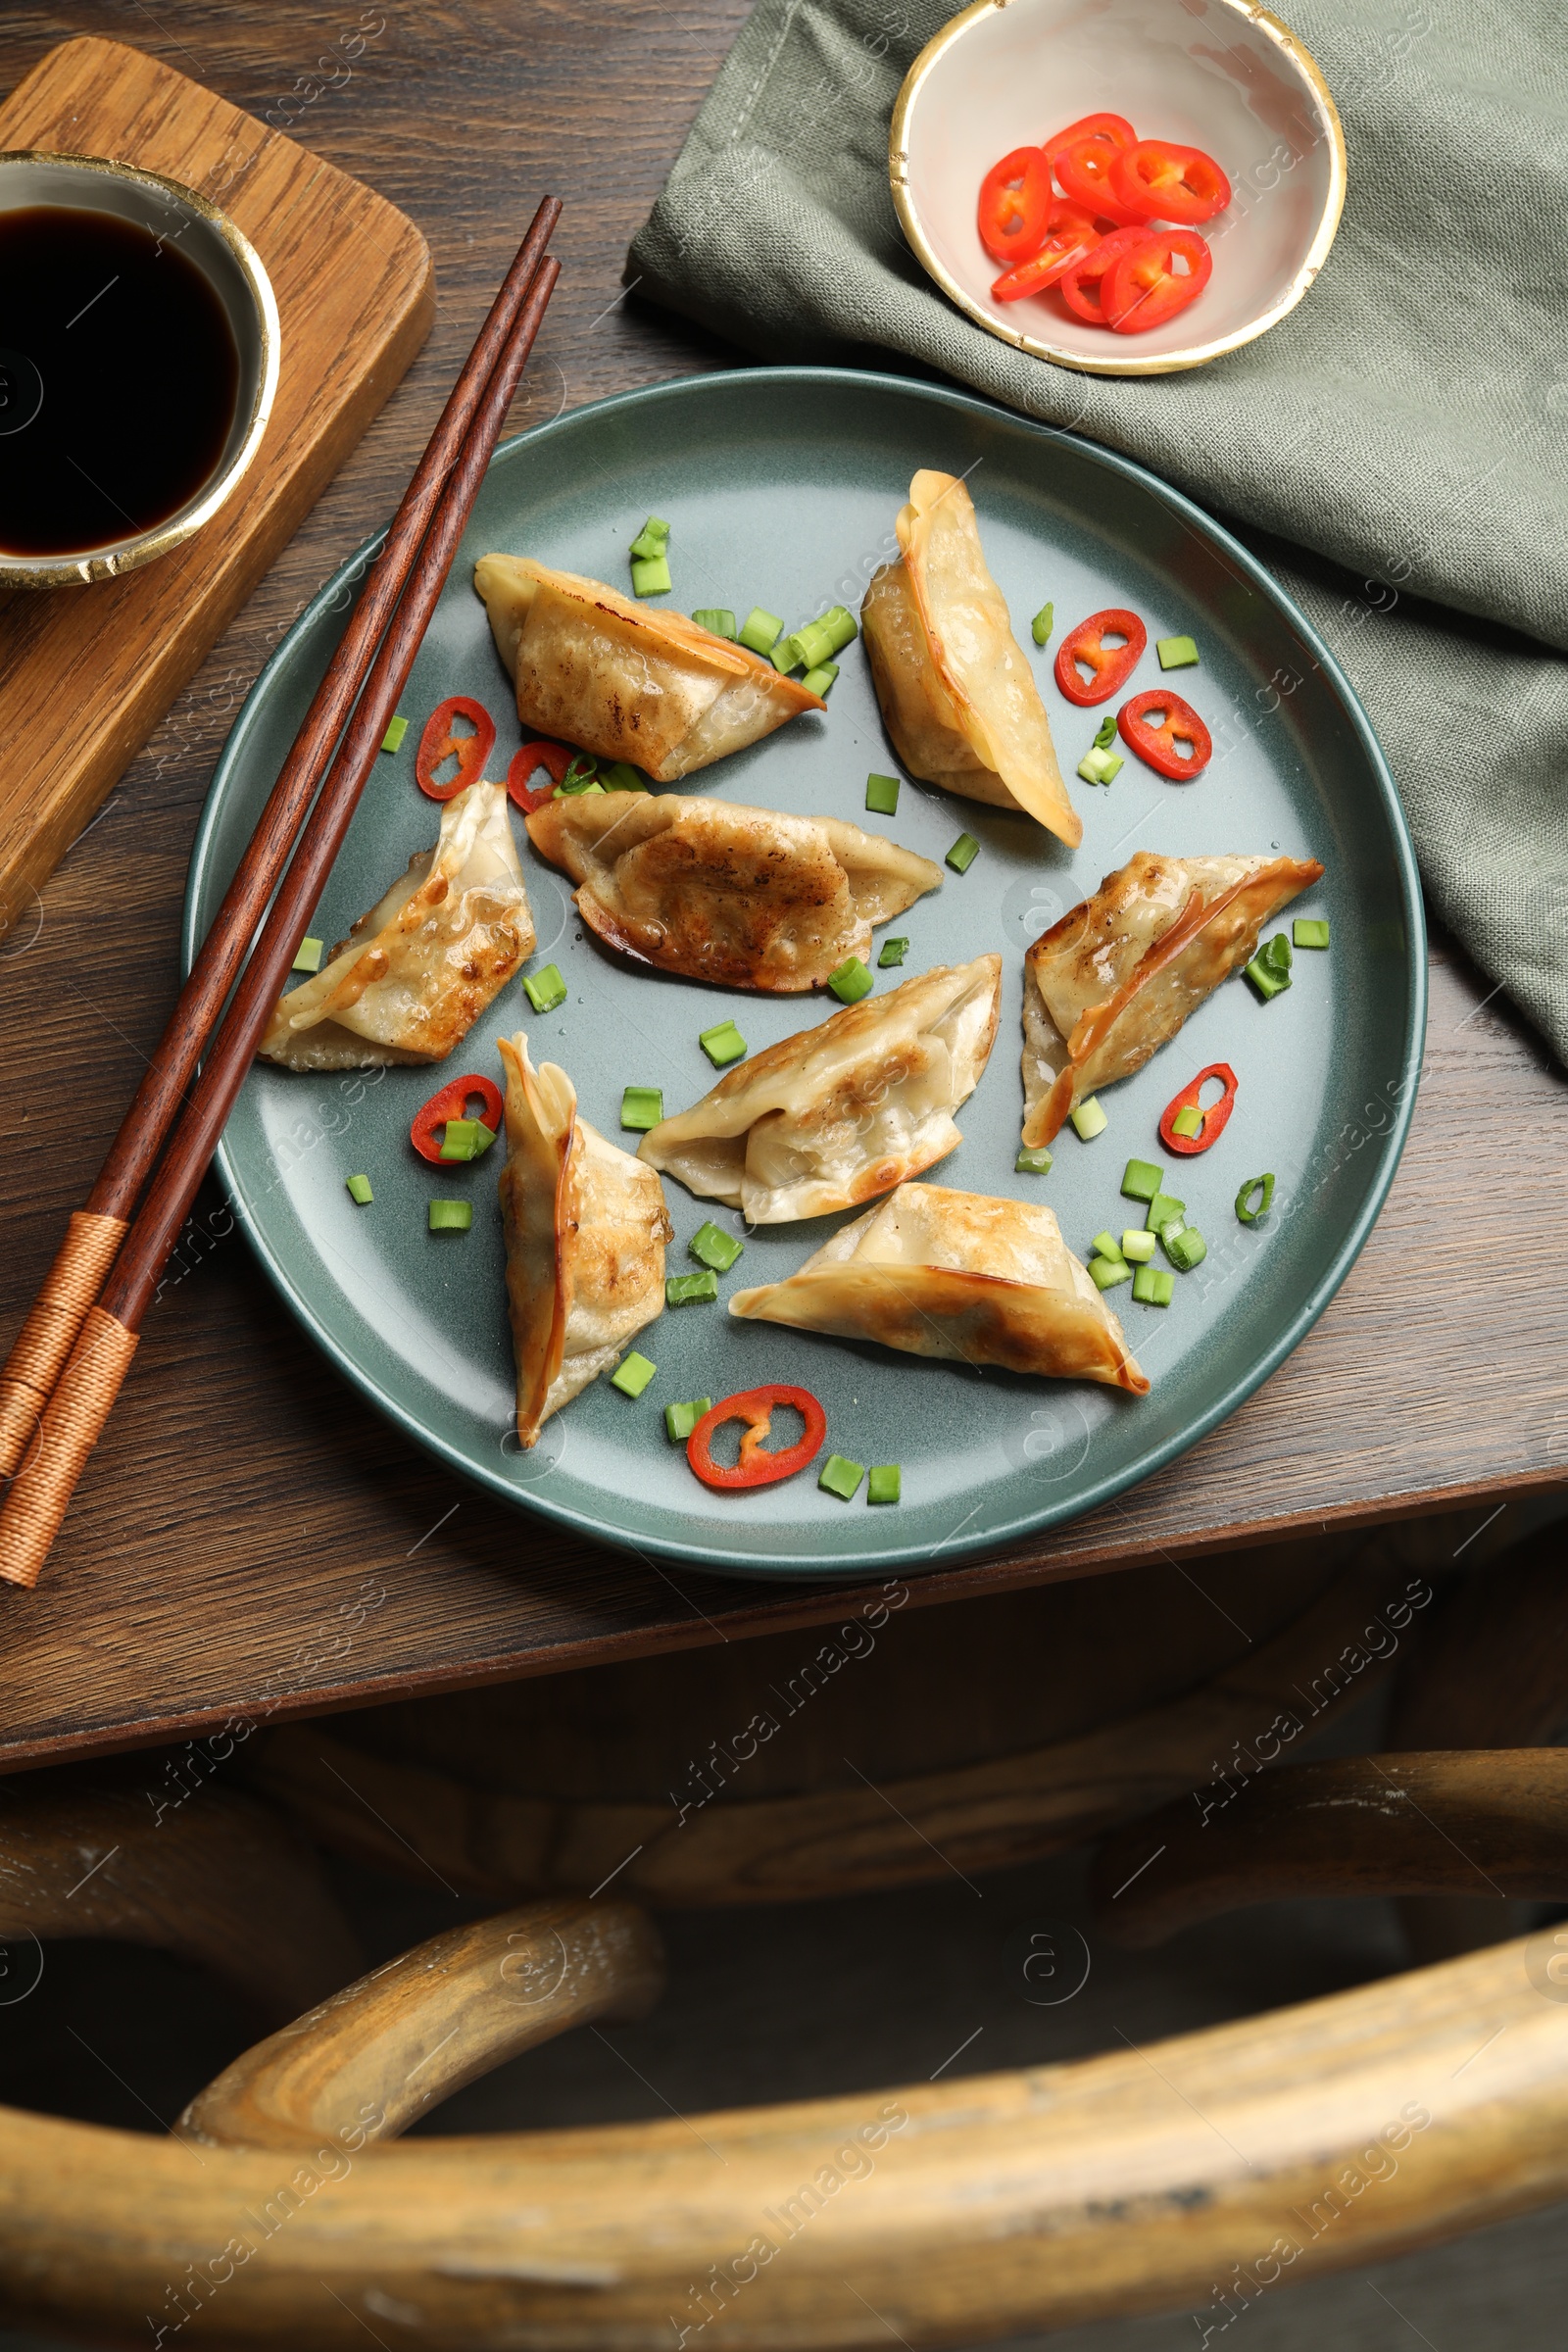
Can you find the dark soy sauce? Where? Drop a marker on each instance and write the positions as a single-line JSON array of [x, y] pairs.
[[119, 378]]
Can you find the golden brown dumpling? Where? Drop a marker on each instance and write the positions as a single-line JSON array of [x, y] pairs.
[[624, 680], [958, 698], [585, 1228], [1118, 975], [945, 1273], [742, 897]]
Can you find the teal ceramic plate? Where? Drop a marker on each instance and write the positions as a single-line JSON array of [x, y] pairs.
[[781, 486]]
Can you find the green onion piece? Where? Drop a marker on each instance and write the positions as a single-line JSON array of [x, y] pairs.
[[451, 1216], [584, 789], [820, 679], [465, 1139], [722, 1044], [1277, 954], [1163, 1211], [1154, 1287], [963, 853], [1106, 1272], [633, 1374], [712, 1246], [640, 1106], [882, 795], [1111, 765], [651, 540], [1136, 1245], [851, 981], [1189, 1120], [1263, 1185], [1044, 621], [1089, 1120], [309, 958], [1106, 735], [1100, 767], [1265, 979], [545, 989], [581, 769], [1308, 932], [844, 625], [681, 1419], [787, 655], [620, 775], [842, 1478], [885, 1483], [360, 1189], [1088, 768], [650, 577], [1107, 1245], [1185, 1250], [397, 728], [718, 622], [1033, 1161], [1141, 1180], [759, 630], [691, 1290], [892, 953], [1176, 653], [815, 642]]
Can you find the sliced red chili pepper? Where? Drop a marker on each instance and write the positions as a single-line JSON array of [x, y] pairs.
[[1146, 287], [1158, 181], [755, 1468], [452, 1103], [1071, 235], [1213, 1116], [1113, 130], [1083, 172], [1157, 746], [441, 742], [553, 758], [1112, 664], [1015, 199], [1083, 286]]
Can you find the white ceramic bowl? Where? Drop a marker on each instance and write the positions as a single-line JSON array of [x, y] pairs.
[[1218, 75]]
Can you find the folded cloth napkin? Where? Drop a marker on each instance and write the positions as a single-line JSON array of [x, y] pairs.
[[1397, 451]]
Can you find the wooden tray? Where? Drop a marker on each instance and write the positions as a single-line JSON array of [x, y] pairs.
[[85, 674]]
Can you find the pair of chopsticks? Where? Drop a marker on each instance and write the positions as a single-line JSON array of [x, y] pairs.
[[72, 1353]]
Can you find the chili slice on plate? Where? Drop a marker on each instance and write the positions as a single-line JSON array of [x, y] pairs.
[[441, 742], [1083, 172], [1016, 200], [1186, 1138], [757, 1467], [1082, 287], [553, 758], [452, 1103], [1071, 235], [1112, 664], [1155, 180], [1157, 746], [1146, 287]]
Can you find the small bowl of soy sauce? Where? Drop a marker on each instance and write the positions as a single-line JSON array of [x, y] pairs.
[[138, 361]]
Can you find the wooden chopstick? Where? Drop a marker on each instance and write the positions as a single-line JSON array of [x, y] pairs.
[[94, 1234], [87, 1387]]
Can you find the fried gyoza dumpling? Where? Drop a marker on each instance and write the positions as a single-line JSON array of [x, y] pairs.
[[415, 974], [739, 895], [1120, 973], [958, 697], [625, 680], [585, 1227], [837, 1114], [956, 1274]]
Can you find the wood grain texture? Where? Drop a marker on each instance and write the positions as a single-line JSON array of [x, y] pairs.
[[254, 1540], [85, 674]]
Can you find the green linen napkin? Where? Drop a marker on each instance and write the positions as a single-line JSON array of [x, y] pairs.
[[1396, 449]]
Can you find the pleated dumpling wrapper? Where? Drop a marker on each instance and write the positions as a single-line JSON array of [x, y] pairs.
[[415, 974], [936, 1272], [958, 698], [624, 680], [742, 897], [1118, 975], [585, 1229], [831, 1117]]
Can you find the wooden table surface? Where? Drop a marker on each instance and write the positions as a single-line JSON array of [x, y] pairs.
[[251, 1540]]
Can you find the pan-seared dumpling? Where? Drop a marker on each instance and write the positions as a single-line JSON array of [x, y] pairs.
[[945, 1273], [1118, 975], [624, 680], [744, 897], [837, 1114], [958, 698], [585, 1230], [415, 974]]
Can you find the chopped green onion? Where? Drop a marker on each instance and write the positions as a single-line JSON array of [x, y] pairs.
[[718, 622], [1099, 767], [1185, 1249], [650, 577], [845, 628], [1141, 1180], [309, 958], [584, 789], [1189, 1120], [1044, 621], [581, 769], [722, 1044], [892, 953], [1136, 1245], [820, 679], [681, 1419], [545, 989], [1277, 954], [397, 728], [1107, 733], [842, 1478], [759, 631], [465, 1139], [1309, 932], [1176, 653], [1163, 1211], [1106, 1272], [787, 655], [882, 795], [691, 1290], [620, 775], [1154, 1287], [712, 1246], [451, 1216], [1266, 979], [820, 639], [633, 1374], [360, 1189], [963, 853], [1263, 1185], [1033, 1161], [1089, 1120], [851, 981], [885, 1483], [651, 540], [640, 1106], [1107, 1245]]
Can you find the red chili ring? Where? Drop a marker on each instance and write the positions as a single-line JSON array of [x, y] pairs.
[[452, 1103], [754, 1407], [1112, 664], [1213, 1116], [1157, 746], [553, 758], [439, 743]]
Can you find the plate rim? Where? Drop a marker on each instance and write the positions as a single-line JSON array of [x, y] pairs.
[[784, 1565]]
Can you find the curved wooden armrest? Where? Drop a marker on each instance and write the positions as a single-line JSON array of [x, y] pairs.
[[364, 2063], [1474, 1822], [1492, 1668]]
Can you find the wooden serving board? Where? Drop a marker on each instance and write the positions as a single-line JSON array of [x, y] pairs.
[[85, 674]]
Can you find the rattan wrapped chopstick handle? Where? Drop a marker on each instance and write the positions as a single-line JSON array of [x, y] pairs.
[[46, 1338], [76, 1413]]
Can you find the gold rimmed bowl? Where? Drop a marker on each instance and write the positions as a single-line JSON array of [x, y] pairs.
[[1212, 73]]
